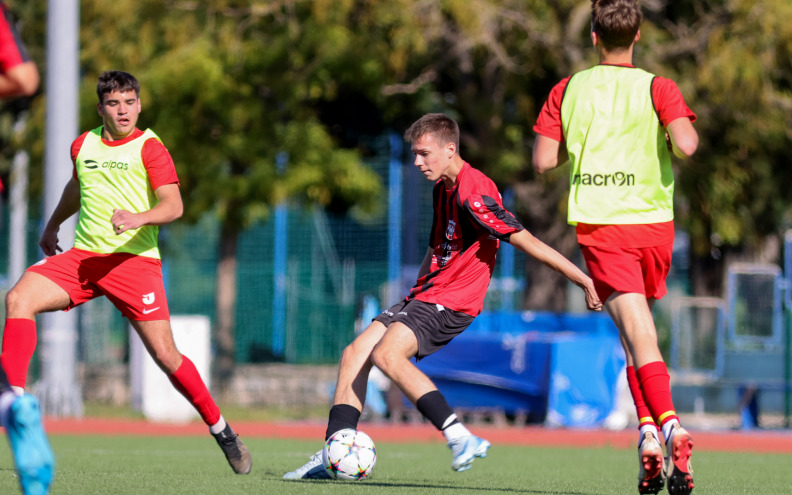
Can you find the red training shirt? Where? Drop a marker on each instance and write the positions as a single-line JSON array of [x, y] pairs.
[[669, 105], [469, 220]]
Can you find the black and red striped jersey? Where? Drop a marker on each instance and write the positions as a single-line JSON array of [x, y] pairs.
[[469, 222]]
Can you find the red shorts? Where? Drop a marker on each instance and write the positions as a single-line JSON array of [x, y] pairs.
[[132, 283], [637, 270]]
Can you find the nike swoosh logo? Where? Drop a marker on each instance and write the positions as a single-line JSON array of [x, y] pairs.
[[147, 311]]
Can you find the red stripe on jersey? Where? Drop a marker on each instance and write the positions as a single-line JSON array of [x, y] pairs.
[[468, 222]]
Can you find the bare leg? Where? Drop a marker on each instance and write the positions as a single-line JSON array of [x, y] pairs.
[[355, 367], [34, 294], [157, 337], [633, 316], [392, 355]]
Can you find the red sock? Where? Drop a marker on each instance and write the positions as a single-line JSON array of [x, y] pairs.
[[656, 388], [644, 416], [19, 342], [189, 383]]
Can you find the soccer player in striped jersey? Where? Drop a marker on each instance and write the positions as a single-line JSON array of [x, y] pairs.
[[468, 225], [619, 124]]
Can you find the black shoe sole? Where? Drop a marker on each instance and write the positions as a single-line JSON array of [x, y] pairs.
[[652, 487], [678, 483]]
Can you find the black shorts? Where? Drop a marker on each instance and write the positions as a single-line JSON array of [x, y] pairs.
[[433, 325]]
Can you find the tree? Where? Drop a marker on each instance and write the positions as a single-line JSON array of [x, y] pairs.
[[228, 88], [231, 85]]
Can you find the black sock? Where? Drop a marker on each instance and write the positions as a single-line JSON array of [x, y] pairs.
[[435, 408], [342, 416]]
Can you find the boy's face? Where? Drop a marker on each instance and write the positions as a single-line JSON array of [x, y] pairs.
[[119, 111], [431, 158]]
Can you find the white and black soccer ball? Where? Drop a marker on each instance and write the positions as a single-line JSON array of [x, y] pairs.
[[349, 455]]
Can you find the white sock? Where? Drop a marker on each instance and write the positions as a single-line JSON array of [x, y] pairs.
[[18, 390], [456, 431], [651, 429], [667, 429], [6, 398], [219, 426]]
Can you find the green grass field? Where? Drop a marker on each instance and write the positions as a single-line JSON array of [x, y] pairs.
[[186, 465]]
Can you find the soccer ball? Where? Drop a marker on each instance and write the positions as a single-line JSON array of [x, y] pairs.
[[349, 455]]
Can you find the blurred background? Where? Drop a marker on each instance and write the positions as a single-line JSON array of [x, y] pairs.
[[304, 216]]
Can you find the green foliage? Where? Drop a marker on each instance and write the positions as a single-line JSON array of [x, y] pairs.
[[228, 88], [229, 85], [734, 192]]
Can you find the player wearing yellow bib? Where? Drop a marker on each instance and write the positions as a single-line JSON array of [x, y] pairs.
[[124, 186], [618, 123]]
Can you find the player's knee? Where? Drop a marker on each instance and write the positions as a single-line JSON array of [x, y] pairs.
[[348, 354], [356, 352], [383, 358], [16, 303]]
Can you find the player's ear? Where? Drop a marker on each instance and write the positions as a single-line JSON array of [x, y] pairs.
[[99, 109], [450, 150], [637, 36], [594, 38]]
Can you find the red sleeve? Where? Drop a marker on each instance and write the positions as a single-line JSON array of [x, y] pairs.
[[480, 197], [669, 102], [12, 51], [548, 123], [159, 164], [75, 150]]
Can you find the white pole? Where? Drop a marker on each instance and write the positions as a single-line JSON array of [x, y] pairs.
[[58, 388], [17, 242]]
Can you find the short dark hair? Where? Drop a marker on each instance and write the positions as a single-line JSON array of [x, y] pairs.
[[441, 127], [616, 22], [116, 80]]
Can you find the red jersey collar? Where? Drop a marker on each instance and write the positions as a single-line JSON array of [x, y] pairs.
[[136, 133], [630, 66]]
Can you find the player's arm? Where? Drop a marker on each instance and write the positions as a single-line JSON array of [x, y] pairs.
[[168, 208], [545, 154], [530, 245], [683, 137], [20, 80], [426, 264], [68, 205]]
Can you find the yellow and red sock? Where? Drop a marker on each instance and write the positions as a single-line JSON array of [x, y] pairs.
[[644, 416], [656, 387]]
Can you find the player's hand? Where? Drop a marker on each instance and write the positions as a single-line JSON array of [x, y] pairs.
[[49, 242], [593, 302], [123, 220]]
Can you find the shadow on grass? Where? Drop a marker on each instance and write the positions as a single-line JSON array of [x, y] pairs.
[[443, 486]]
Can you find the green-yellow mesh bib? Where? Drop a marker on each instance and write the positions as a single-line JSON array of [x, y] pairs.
[[620, 166], [113, 177]]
